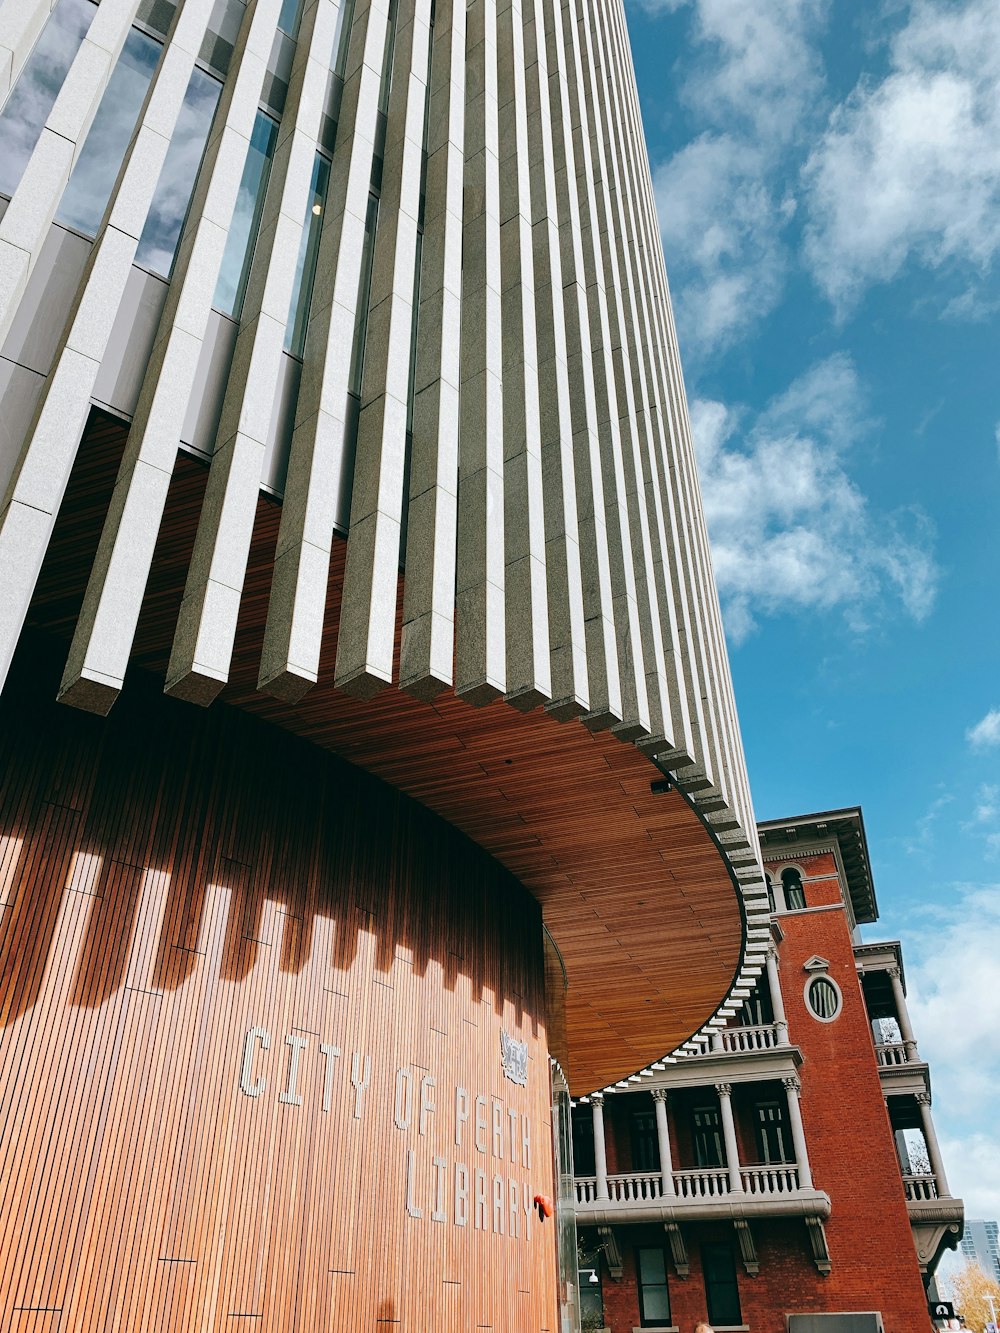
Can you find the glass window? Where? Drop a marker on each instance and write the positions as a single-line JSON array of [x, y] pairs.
[[645, 1150], [305, 269], [654, 1298], [158, 242], [156, 14], [722, 1293], [584, 1162], [772, 1134], [100, 159], [591, 1296], [220, 38], [30, 102], [390, 44], [364, 296], [288, 19], [756, 1008], [235, 270], [706, 1134], [823, 998], [795, 894]]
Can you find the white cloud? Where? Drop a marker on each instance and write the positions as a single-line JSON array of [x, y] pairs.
[[725, 203], [986, 732], [721, 226], [922, 840], [790, 530], [909, 167], [985, 810], [761, 64], [954, 1004]]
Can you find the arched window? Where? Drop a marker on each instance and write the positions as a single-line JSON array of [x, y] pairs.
[[795, 894], [770, 891]]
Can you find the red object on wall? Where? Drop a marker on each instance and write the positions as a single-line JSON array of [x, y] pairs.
[[544, 1205]]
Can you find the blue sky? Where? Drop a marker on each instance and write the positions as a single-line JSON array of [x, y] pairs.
[[828, 183]]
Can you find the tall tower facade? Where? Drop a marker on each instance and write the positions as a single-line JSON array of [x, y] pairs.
[[372, 776]]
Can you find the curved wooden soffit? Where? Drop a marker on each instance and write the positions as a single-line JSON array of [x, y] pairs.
[[643, 905]]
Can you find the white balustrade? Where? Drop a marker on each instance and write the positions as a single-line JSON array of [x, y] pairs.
[[766, 1180], [920, 1187], [709, 1183], [637, 1188], [762, 1037], [586, 1189], [701, 1184], [891, 1053]]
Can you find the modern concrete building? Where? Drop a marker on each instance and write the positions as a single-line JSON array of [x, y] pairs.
[[783, 1172], [349, 511], [979, 1246]]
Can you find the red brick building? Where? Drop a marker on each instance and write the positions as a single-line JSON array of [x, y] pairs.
[[785, 1174]]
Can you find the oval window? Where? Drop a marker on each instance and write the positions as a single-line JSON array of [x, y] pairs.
[[823, 998]]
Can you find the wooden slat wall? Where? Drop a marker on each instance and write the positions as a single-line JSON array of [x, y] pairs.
[[172, 879]]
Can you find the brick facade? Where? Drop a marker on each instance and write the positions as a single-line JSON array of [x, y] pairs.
[[850, 1143]]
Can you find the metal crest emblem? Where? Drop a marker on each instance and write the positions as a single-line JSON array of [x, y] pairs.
[[514, 1059]]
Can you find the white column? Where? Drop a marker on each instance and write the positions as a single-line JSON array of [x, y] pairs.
[[902, 1014], [715, 1041], [663, 1139], [777, 1003], [792, 1089], [933, 1147], [729, 1134], [600, 1148]]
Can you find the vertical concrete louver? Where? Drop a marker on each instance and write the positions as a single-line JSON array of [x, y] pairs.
[[488, 403]]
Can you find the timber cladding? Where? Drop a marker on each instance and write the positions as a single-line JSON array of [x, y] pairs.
[[252, 1005]]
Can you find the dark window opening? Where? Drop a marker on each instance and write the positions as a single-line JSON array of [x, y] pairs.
[[722, 1293], [591, 1291], [823, 998], [795, 894], [645, 1153], [706, 1134], [773, 1136], [756, 1010], [654, 1297], [770, 892], [584, 1162]]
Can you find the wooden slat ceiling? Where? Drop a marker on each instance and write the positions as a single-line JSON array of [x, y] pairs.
[[633, 890]]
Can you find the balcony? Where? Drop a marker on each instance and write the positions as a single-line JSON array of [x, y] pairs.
[[892, 1053], [698, 1194], [936, 1218], [739, 1041], [919, 1188]]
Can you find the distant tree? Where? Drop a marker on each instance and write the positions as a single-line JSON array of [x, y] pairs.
[[972, 1288], [920, 1161]]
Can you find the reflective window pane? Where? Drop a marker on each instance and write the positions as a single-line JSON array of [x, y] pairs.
[[305, 270], [28, 106], [288, 19], [158, 242], [364, 296], [100, 160], [235, 269], [220, 38], [156, 14]]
